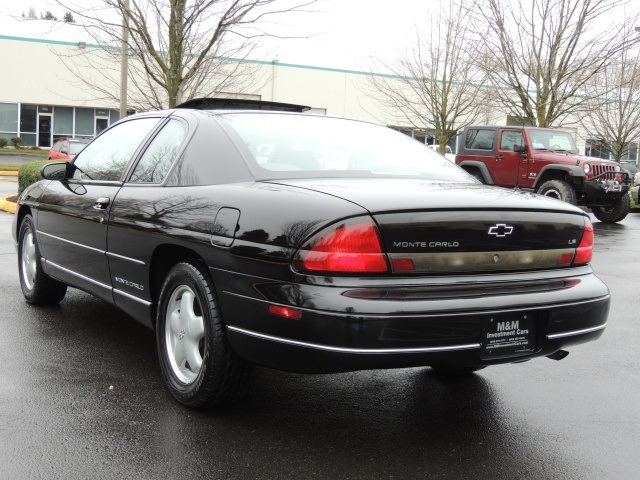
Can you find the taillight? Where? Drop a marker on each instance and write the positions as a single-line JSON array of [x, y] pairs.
[[585, 249], [352, 246]]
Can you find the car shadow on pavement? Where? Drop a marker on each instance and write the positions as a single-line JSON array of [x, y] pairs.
[[99, 373]]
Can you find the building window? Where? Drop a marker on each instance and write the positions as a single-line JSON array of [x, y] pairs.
[[84, 122], [597, 148], [9, 117], [62, 122], [426, 136], [28, 118], [631, 153]]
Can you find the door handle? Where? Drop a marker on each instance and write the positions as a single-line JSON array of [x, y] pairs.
[[102, 203], [499, 157]]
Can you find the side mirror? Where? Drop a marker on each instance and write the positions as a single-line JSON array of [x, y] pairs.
[[56, 171], [520, 148]]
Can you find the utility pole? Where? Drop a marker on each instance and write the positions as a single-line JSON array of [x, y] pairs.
[[124, 61]]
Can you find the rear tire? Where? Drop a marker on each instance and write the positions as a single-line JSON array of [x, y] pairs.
[[38, 288], [614, 213], [198, 365], [559, 189]]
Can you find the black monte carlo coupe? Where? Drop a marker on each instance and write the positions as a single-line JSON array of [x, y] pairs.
[[305, 243]]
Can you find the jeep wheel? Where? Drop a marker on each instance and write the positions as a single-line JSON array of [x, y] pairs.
[[614, 213], [478, 176], [560, 190]]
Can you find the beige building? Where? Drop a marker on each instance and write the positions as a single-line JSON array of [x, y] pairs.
[[41, 99]]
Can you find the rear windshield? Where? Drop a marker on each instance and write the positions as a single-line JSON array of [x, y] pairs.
[[305, 146]]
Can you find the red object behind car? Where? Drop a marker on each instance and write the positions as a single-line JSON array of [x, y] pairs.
[[67, 148]]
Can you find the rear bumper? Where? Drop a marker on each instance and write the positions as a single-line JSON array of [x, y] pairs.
[[341, 330]]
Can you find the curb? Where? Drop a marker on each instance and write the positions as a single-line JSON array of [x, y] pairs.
[[7, 206], [4, 173]]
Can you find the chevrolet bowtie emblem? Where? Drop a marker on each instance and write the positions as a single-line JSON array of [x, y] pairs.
[[501, 230]]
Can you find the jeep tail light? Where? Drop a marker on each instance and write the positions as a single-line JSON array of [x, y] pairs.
[[585, 249], [352, 246]]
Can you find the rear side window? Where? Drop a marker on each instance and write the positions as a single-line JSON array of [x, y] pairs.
[[509, 139], [157, 159], [107, 157], [480, 139]]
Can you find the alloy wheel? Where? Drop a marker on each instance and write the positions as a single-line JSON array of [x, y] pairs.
[[184, 334]]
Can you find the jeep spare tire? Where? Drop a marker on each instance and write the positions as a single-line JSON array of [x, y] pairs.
[[560, 190]]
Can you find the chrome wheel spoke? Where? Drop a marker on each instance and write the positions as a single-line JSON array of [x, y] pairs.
[[175, 323], [194, 358], [196, 329], [186, 305], [180, 358]]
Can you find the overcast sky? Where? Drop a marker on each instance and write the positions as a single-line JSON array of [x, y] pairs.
[[344, 33]]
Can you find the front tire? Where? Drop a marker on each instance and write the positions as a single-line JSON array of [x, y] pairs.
[[38, 288], [615, 212], [560, 190], [198, 365]]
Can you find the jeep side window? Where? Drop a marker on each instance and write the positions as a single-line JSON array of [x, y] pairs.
[[509, 139], [480, 139]]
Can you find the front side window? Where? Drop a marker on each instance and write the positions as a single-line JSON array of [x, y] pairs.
[[509, 140], [157, 159], [106, 158]]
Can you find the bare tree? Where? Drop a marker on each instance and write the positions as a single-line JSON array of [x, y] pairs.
[[541, 54], [434, 82], [179, 49], [613, 115]]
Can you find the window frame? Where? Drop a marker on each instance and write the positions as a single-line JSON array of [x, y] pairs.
[[147, 145]]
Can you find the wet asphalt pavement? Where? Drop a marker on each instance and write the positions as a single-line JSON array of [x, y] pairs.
[[81, 397]]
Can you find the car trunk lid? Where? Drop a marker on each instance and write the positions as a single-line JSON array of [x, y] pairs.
[[436, 227]]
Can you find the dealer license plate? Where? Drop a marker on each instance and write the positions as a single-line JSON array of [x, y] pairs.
[[509, 335]]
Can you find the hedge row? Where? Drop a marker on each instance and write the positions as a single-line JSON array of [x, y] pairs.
[[30, 173]]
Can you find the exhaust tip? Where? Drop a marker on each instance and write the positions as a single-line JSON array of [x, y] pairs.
[[559, 355]]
